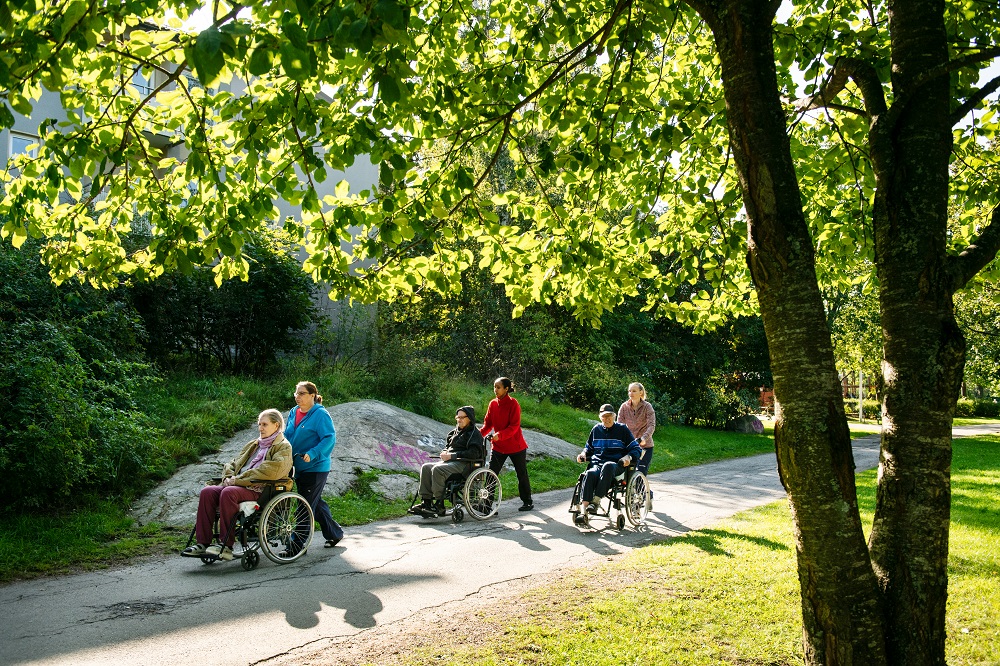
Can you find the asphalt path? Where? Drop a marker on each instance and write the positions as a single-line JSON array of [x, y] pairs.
[[176, 610]]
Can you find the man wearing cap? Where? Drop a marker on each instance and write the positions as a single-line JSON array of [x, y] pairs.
[[610, 449], [465, 446]]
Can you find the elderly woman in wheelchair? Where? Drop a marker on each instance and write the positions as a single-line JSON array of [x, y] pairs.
[[612, 453], [461, 476], [251, 503]]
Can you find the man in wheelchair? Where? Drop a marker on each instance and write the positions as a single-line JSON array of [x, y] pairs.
[[465, 447], [610, 449]]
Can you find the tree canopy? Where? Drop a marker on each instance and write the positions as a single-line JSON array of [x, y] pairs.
[[617, 107]]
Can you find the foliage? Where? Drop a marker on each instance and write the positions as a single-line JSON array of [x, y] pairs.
[[625, 107], [71, 381], [235, 327], [989, 408], [710, 378], [978, 312]]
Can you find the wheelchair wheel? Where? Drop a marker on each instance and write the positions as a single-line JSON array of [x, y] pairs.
[[457, 515], [620, 523], [482, 494], [636, 494], [285, 528], [250, 560]]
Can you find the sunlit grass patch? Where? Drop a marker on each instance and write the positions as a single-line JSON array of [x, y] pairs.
[[729, 594]]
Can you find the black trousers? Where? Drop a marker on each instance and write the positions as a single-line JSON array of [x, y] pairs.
[[310, 485], [520, 462]]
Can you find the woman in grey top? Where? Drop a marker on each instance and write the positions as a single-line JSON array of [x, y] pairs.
[[638, 415]]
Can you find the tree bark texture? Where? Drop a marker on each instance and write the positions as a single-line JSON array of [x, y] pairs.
[[840, 599], [923, 346]]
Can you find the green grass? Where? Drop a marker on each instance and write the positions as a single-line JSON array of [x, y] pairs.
[[972, 420], [95, 535], [360, 504], [729, 594]]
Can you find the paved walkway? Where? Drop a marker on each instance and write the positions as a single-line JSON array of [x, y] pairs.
[[176, 610]]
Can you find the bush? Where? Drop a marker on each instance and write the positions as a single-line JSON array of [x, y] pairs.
[[236, 327], [984, 408], [70, 370]]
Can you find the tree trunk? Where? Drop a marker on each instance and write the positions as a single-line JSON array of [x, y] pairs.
[[840, 600], [924, 348]]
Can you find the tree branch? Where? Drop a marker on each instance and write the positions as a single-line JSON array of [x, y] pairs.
[[973, 100], [979, 253], [863, 75]]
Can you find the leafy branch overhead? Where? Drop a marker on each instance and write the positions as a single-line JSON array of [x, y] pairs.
[[613, 112]]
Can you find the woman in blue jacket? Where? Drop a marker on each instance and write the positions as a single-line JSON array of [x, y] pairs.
[[312, 436]]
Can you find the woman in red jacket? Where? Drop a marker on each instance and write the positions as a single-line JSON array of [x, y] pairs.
[[503, 419]]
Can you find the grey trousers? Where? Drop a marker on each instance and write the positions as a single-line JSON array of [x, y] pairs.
[[434, 474]]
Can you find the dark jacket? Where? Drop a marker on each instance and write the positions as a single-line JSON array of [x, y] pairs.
[[467, 444], [611, 444]]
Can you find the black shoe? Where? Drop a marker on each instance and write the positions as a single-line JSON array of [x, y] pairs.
[[582, 520], [439, 507], [527, 506], [592, 509], [331, 543]]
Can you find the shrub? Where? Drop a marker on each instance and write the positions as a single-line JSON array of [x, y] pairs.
[[70, 368], [965, 408], [987, 408], [547, 388], [68, 431], [236, 327]]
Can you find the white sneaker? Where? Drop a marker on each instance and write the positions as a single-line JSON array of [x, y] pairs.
[[220, 551], [226, 554]]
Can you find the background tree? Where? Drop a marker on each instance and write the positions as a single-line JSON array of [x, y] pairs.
[[676, 117], [238, 326]]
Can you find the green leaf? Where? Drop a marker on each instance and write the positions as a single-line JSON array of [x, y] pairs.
[[260, 61], [20, 104], [6, 117], [388, 88], [296, 35], [295, 62], [207, 57], [392, 13]]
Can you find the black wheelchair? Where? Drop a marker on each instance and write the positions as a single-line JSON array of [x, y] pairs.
[[627, 497], [279, 522], [477, 493]]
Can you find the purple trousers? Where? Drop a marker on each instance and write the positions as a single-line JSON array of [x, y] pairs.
[[224, 502]]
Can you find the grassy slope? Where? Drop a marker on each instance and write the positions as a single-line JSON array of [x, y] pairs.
[[729, 594]]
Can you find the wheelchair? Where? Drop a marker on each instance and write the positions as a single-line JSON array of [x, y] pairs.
[[478, 493], [627, 497], [279, 523]]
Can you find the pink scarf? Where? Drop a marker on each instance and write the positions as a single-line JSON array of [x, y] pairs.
[[263, 444]]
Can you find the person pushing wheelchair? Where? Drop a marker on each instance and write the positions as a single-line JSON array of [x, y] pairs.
[[610, 449]]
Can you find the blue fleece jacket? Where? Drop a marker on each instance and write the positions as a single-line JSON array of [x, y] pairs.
[[611, 444], [315, 436]]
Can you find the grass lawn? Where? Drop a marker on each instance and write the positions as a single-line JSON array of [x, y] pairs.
[[729, 594]]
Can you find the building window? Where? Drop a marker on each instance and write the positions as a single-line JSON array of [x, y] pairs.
[[23, 144], [143, 83]]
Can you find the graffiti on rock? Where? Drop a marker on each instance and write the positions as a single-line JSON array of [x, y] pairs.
[[403, 455]]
